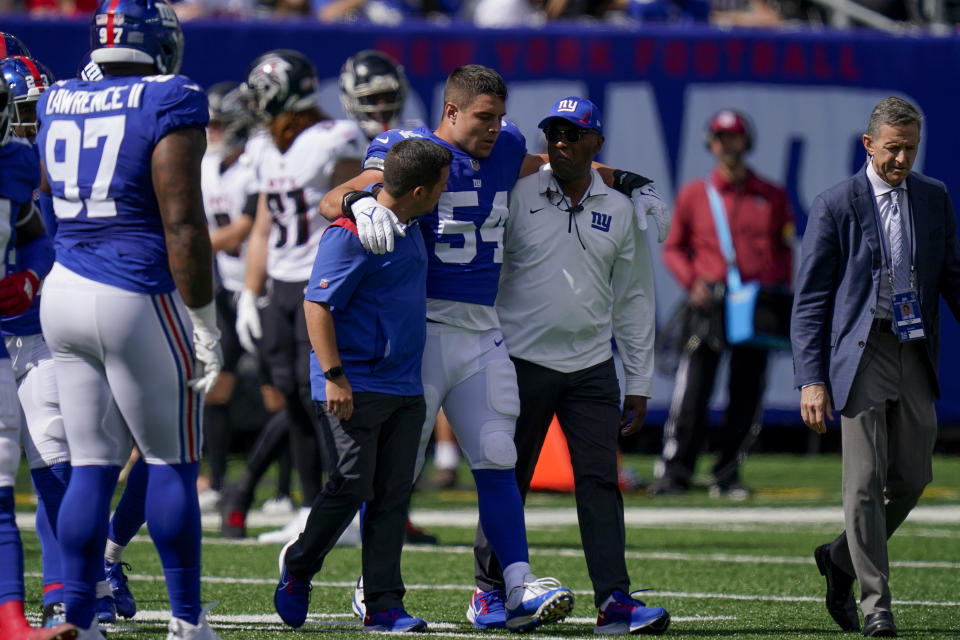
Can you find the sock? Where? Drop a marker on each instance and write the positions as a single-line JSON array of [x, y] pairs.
[[513, 577], [216, 442], [11, 551], [113, 553], [50, 483], [501, 514], [446, 455], [129, 515], [82, 531], [173, 517]]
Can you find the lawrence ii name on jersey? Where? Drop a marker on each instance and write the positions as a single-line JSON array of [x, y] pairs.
[[110, 229]]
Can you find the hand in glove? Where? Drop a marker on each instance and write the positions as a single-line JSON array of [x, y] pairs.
[[376, 225], [646, 201], [248, 321], [17, 292], [206, 344]]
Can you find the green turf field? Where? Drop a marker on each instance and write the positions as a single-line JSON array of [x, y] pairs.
[[722, 569]]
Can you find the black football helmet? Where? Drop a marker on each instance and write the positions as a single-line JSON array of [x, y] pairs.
[[373, 88], [229, 109], [282, 80]]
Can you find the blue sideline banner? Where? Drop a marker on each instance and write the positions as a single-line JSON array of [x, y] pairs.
[[808, 94]]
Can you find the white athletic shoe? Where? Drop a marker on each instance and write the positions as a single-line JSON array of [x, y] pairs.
[[209, 500], [358, 606], [183, 630], [538, 602], [351, 535], [293, 529], [278, 506]]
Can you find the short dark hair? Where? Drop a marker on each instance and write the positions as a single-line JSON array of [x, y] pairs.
[[412, 163], [467, 82], [895, 112]]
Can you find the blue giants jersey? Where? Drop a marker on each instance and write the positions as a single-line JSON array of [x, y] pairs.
[[28, 322], [464, 233], [96, 140], [19, 177]]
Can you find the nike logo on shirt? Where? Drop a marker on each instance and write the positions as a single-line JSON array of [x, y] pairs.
[[384, 139], [532, 211]]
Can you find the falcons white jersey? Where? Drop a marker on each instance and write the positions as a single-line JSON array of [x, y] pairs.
[[225, 194], [294, 183]]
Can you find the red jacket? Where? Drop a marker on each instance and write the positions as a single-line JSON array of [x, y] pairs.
[[761, 225]]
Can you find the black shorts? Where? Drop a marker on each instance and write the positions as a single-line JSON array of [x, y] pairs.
[[285, 346]]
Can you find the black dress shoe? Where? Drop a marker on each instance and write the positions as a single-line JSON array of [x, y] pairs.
[[839, 600], [879, 625]]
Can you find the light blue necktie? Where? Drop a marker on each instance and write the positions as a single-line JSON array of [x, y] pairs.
[[901, 264]]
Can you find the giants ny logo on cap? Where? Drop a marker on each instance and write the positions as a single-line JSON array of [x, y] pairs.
[[567, 106]]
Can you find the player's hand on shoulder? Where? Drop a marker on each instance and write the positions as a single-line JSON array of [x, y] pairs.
[[646, 201], [376, 225]]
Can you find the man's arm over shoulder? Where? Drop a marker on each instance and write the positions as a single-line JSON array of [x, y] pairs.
[[814, 293]]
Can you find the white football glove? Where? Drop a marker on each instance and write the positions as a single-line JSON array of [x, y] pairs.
[[647, 202], [248, 321], [206, 343], [376, 225]]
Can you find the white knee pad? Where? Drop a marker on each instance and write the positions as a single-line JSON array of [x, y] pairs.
[[44, 439], [502, 394]]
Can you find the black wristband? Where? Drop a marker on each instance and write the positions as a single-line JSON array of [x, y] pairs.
[[626, 181], [333, 372], [349, 198]]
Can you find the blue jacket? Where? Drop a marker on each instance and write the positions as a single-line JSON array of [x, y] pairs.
[[841, 269]]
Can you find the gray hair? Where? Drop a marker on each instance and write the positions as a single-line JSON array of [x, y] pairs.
[[895, 112]]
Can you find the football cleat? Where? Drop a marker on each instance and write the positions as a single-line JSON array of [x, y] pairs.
[[487, 609], [123, 599], [393, 621], [623, 613], [54, 614], [358, 605], [105, 607], [538, 602], [292, 597], [182, 630]]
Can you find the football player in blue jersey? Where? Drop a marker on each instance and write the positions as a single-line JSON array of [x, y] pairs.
[[22, 228], [128, 307], [44, 442], [466, 369]]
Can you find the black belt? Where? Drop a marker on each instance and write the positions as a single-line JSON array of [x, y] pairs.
[[881, 325]]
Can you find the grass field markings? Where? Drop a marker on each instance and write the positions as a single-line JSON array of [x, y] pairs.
[[467, 588]]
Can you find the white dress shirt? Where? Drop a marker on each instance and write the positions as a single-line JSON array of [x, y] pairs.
[[881, 193]]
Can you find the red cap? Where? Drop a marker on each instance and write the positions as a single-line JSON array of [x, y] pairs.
[[728, 121]]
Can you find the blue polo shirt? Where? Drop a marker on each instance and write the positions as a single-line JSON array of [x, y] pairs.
[[379, 307]]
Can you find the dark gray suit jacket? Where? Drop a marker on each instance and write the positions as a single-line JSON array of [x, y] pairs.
[[841, 270]]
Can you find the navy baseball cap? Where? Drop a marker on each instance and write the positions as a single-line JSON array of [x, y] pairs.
[[578, 111]]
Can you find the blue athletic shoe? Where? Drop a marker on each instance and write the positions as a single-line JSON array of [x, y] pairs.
[[292, 597], [393, 621], [122, 598], [623, 613], [543, 601], [486, 610], [106, 610]]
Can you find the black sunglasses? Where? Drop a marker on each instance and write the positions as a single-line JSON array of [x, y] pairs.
[[555, 134]]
